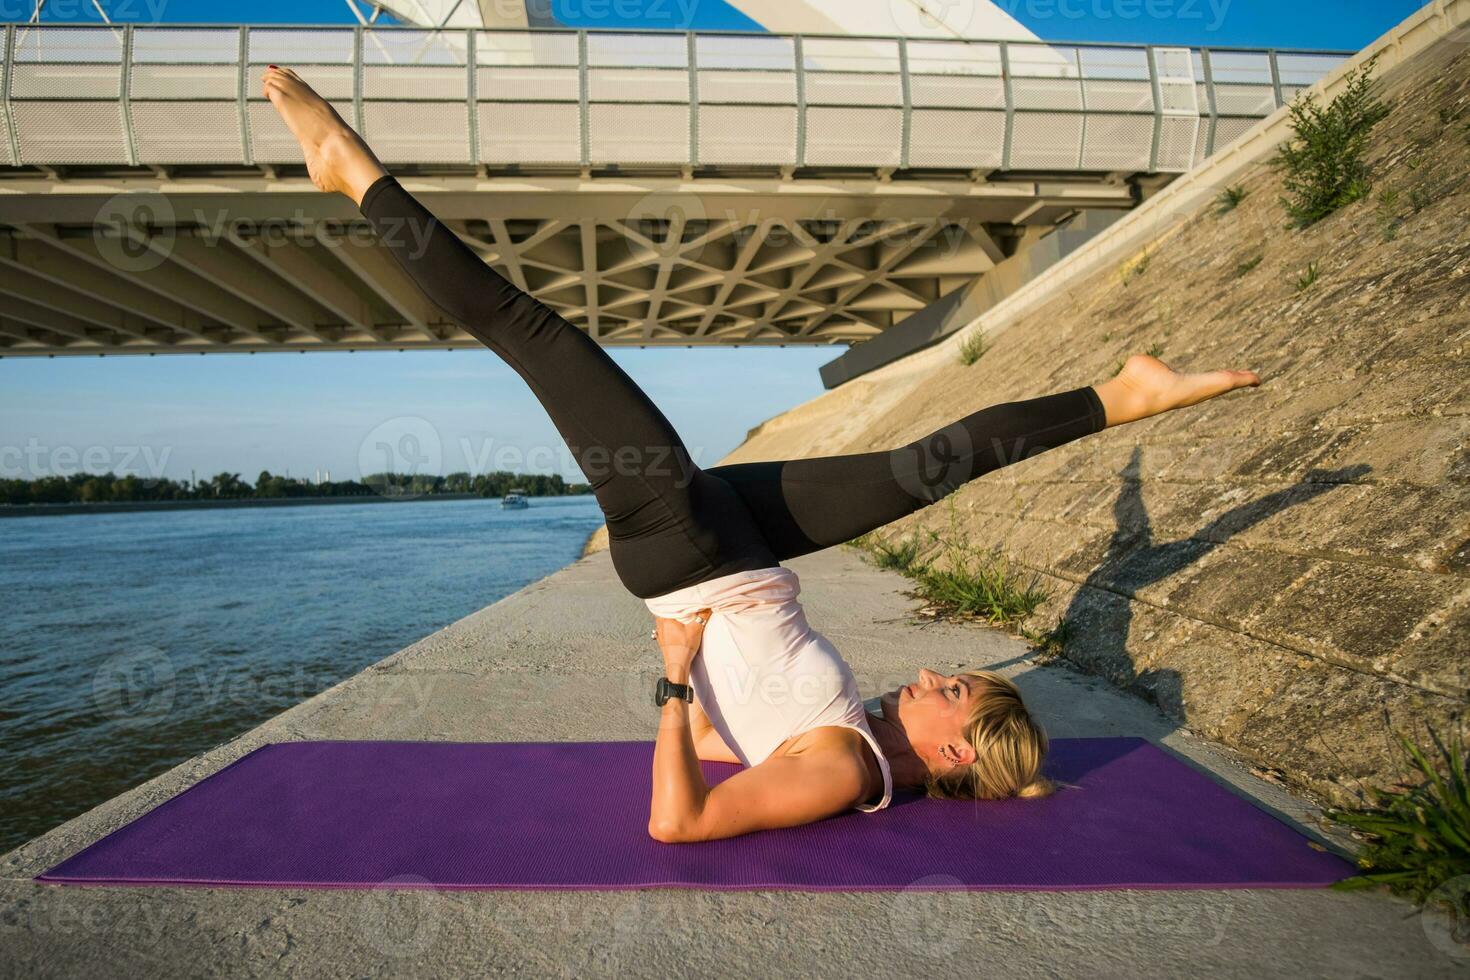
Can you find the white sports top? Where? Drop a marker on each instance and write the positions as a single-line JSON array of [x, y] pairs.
[[763, 674]]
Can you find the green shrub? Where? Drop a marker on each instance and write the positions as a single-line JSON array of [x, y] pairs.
[[1418, 835], [1323, 161], [972, 347], [1229, 199]]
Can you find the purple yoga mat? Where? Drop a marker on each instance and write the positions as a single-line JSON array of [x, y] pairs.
[[574, 815]]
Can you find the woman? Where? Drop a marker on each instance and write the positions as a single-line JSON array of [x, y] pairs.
[[703, 548]]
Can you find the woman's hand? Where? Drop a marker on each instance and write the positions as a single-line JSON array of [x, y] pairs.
[[679, 640]]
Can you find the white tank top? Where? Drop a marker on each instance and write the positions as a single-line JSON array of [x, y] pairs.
[[763, 674]]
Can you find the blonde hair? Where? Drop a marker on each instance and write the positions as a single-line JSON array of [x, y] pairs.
[[1009, 747]]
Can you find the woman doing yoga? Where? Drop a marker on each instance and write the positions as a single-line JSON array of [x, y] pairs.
[[703, 547]]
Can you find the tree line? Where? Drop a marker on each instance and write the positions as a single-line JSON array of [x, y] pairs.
[[91, 488]]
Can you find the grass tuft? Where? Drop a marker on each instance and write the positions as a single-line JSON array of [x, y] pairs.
[[1243, 268], [1418, 835], [1323, 161], [972, 347], [960, 578], [1230, 199], [1305, 280]]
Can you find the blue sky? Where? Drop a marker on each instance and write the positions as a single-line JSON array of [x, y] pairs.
[[293, 412]]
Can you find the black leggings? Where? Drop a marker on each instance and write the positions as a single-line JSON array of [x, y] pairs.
[[670, 523]]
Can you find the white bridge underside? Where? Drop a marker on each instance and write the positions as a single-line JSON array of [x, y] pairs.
[[653, 188]]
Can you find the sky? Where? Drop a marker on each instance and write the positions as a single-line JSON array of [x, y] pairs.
[[300, 413]]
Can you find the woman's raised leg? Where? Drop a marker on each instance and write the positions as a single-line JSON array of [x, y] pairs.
[[803, 505], [669, 525]]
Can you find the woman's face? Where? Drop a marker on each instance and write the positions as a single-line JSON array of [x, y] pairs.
[[932, 712]]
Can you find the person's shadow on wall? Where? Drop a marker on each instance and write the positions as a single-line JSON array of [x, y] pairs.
[[1133, 560]]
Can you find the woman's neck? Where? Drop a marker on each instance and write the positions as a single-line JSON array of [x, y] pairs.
[[907, 769]]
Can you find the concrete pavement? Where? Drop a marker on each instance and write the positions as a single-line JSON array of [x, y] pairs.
[[568, 657]]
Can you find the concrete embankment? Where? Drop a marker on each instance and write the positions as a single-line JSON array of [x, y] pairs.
[[1286, 568], [567, 658]]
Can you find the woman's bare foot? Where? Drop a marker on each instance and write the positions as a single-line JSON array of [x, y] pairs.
[[1147, 386], [336, 157]]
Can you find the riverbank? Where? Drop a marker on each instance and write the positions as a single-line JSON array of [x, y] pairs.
[[567, 659]]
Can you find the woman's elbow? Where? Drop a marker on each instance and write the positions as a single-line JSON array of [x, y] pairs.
[[671, 832]]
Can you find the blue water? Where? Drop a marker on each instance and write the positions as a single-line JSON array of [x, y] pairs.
[[135, 641]]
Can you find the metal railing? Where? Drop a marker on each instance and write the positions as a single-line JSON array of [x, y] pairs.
[[181, 95]]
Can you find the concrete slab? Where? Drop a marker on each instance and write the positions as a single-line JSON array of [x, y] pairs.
[[568, 657]]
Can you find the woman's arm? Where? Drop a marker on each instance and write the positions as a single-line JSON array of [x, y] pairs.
[[783, 791]]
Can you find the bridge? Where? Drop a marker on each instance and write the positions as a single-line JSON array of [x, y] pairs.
[[653, 187]]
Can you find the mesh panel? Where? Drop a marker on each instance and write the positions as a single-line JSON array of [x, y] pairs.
[[840, 54], [513, 84], [773, 87], [6, 157], [1046, 140], [528, 48], [417, 132], [1202, 142], [168, 45], [426, 48], [1227, 131], [300, 48], [1043, 61], [84, 44], [1117, 142], [646, 50], [747, 53], [853, 136], [638, 84], [1115, 64], [529, 133], [1119, 96], [1303, 70], [1177, 136], [414, 82], [954, 58], [956, 138], [187, 132], [70, 132], [67, 81], [830, 88], [271, 141], [1244, 100], [1046, 93], [957, 91], [638, 133], [747, 134], [151, 81]]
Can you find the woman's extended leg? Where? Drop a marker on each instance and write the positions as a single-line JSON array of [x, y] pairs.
[[669, 524], [803, 505]]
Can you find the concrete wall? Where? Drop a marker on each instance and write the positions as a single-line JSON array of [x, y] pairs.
[[1286, 569]]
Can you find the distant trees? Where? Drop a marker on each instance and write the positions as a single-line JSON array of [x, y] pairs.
[[94, 488]]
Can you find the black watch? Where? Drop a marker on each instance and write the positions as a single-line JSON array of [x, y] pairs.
[[666, 689]]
